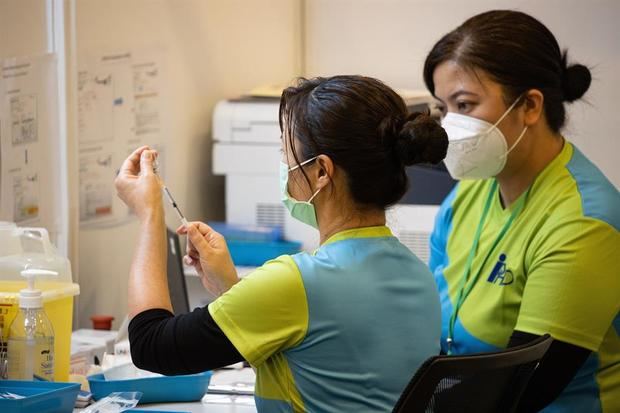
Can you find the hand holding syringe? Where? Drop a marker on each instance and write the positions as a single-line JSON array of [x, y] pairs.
[[138, 186], [191, 258], [176, 209], [206, 251]]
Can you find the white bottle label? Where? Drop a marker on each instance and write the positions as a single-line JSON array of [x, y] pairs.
[[31, 359]]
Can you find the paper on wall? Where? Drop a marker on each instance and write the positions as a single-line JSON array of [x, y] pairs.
[[119, 109], [105, 118], [146, 76], [29, 141], [149, 116], [96, 194]]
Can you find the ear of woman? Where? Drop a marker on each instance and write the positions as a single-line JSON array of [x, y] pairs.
[[533, 107], [324, 172]]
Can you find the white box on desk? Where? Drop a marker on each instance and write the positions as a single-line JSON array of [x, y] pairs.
[[105, 338]]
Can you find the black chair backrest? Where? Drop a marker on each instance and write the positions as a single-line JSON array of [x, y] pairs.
[[480, 383], [176, 276]]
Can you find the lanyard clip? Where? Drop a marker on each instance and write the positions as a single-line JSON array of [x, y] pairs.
[[449, 342]]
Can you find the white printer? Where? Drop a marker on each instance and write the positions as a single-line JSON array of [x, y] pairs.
[[246, 135]]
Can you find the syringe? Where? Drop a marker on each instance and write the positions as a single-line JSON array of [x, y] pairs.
[[175, 206], [169, 196]]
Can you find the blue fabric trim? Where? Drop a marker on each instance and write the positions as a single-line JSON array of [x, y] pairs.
[[616, 324], [582, 393], [441, 231], [272, 406], [464, 342], [467, 343], [599, 198], [439, 259]]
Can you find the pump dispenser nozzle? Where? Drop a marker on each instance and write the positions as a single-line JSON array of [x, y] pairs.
[[31, 297]]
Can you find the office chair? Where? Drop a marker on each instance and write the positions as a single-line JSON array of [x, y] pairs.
[[480, 383]]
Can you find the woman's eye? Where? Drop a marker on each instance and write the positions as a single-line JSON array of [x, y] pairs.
[[464, 106]]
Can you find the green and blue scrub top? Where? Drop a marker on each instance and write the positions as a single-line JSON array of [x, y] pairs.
[[340, 330], [555, 270]]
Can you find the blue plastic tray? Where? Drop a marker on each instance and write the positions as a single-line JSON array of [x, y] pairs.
[[254, 254], [236, 232], [41, 396], [187, 388]]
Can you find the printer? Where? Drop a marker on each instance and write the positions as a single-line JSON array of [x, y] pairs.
[[246, 139]]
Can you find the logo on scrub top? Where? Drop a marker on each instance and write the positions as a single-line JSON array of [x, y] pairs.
[[500, 275]]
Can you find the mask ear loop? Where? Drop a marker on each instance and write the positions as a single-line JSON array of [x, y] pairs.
[[505, 113], [514, 145], [307, 161], [313, 195]]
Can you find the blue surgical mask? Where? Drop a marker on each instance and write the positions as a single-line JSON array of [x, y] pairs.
[[301, 210]]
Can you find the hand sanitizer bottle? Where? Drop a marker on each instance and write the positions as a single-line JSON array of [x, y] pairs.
[[31, 336]]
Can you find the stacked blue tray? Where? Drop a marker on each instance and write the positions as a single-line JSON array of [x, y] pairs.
[[254, 245], [38, 396], [161, 389]]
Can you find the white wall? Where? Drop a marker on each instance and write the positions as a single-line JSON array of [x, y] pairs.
[[23, 27], [389, 39], [27, 28], [214, 49]]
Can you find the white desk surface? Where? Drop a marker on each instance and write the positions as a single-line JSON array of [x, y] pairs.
[[236, 404], [198, 407]]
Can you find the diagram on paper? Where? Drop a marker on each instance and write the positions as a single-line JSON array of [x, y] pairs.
[[146, 98], [119, 110], [96, 193], [23, 111], [26, 196], [95, 108], [30, 153]]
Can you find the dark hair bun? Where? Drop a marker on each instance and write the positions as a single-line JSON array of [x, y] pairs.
[[421, 140], [575, 80]]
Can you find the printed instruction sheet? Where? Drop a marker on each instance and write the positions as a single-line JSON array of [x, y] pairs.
[[29, 141], [119, 109]]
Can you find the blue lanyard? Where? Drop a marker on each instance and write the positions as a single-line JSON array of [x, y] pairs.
[[465, 287]]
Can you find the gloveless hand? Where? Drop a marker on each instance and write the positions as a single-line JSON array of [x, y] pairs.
[[137, 184], [208, 253]]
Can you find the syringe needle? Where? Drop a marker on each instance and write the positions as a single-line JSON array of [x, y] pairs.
[[175, 206], [169, 195]]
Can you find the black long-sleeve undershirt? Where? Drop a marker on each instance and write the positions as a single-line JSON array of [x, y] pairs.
[[184, 344], [555, 371], [193, 342]]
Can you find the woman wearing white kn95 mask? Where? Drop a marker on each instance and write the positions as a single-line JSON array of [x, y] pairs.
[[528, 241], [477, 148]]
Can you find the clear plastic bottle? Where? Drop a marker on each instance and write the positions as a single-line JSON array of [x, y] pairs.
[[30, 347], [3, 361]]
